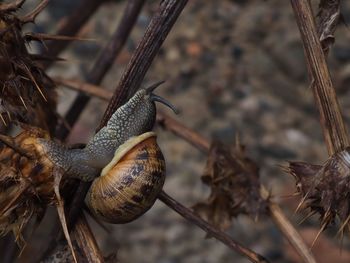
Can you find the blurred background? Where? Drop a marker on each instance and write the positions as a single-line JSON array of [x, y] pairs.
[[232, 68]]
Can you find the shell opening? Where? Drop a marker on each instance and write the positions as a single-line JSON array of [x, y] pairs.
[[124, 149]]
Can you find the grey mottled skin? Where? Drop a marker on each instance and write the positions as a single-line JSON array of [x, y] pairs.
[[135, 117]]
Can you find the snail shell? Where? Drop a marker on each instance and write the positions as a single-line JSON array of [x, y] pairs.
[[129, 185]]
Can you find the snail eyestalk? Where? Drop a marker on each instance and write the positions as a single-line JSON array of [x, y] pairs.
[[151, 88], [157, 98], [165, 102]]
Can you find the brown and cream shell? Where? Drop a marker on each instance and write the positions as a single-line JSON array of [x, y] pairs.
[[129, 185]]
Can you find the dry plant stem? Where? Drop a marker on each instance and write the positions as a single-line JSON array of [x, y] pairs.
[[71, 25], [331, 120], [288, 230], [158, 29], [32, 15], [42, 36], [84, 238], [203, 145], [211, 230]]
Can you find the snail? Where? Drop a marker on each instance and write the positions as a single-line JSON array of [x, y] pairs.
[[133, 179], [132, 164]]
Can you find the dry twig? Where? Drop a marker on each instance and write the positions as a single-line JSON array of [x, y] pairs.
[[331, 120], [86, 241], [30, 18], [158, 29], [325, 190], [211, 230]]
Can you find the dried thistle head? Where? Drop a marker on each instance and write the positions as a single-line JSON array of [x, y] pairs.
[[325, 189], [27, 94], [235, 188], [26, 181]]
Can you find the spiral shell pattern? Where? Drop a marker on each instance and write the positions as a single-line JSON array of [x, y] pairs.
[[130, 183]]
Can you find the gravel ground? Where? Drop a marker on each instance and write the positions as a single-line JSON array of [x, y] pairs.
[[232, 67]]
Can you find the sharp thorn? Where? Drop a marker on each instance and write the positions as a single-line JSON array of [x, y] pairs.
[[3, 120]]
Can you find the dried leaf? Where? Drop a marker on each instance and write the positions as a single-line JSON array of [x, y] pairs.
[[26, 181], [328, 18], [235, 187]]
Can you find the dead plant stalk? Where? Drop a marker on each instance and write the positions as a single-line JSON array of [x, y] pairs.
[[334, 130]]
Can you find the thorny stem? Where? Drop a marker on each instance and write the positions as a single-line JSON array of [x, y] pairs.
[[331, 120], [30, 36], [29, 18], [203, 145], [210, 229]]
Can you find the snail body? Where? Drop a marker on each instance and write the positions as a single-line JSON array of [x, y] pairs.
[[134, 118], [132, 164], [130, 183]]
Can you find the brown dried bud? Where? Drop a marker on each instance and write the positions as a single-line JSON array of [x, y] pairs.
[[235, 187], [26, 181], [27, 94], [325, 189]]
